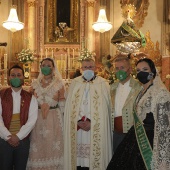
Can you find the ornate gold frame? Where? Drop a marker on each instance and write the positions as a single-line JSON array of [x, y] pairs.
[[141, 10], [153, 50], [50, 21]]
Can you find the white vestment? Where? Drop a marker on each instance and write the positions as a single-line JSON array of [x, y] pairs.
[[100, 132]]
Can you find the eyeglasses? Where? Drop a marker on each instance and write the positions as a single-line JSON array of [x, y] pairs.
[[88, 67]]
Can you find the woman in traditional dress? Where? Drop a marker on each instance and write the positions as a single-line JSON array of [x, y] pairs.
[[147, 144], [46, 148]]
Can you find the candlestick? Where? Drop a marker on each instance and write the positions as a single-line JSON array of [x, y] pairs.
[[46, 52], [79, 58], [66, 62], [41, 54], [68, 52], [73, 57], [66, 66], [62, 62], [5, 61], [52, 54], [0, 63]]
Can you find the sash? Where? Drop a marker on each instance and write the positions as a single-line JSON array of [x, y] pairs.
[[143, 143]]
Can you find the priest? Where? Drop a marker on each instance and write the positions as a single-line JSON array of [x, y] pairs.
[[87, 122]]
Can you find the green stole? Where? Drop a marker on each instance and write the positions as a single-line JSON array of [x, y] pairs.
[[143, 143]]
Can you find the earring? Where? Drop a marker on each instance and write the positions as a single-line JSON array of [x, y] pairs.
[[150, 76]]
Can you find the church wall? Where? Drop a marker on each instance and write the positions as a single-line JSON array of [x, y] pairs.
[[153, 21]]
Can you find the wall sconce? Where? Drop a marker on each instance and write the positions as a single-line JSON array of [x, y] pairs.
[[13, 24], [102, 24]]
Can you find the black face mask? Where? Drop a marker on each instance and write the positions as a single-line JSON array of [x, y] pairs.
[[144, 77]]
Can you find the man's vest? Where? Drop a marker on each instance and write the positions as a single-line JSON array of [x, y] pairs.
[[7, 106]]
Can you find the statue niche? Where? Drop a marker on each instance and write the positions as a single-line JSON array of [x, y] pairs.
[[62, 21]]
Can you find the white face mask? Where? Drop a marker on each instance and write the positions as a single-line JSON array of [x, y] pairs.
[[88, 74]]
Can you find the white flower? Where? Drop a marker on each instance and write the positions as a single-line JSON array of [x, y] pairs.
[[25, 55], [168, 76], [86, 54]]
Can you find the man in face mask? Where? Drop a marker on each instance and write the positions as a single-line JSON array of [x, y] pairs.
[[123, 95], [87, 122], [18, 114]]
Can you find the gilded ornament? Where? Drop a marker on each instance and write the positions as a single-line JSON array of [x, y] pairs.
[[141, 10], [31, 4]]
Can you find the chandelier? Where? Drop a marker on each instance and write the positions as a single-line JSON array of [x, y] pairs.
[[13, 24], [102, 24]]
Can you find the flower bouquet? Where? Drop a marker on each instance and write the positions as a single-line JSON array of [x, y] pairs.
[[86, 54], [26, 55]]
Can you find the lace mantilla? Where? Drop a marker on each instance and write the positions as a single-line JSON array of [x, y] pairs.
[[45, 95], [157, 101]]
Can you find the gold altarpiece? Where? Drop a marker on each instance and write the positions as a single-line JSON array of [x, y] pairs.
[[64, 51]]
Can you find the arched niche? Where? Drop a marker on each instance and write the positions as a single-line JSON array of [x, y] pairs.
[[65, 11]]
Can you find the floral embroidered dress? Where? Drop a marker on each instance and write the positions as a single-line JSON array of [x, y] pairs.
[[46, 148]]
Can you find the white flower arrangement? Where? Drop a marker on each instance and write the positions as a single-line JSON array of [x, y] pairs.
[[26, 55], [86, 54]]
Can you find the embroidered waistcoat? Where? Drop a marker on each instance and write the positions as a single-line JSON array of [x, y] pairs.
[[7, 106]]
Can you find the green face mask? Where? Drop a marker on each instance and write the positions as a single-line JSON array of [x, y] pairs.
[[121, 75], [46, 70], [15, 82]]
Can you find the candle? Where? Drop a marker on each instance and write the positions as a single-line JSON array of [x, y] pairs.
[[61, 62], [52, 54], [73, 57], [79, 58], [46, 52], [66, 66], [68, 51], [5, 61], [41, 54], [65, 61], [0, 63]]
